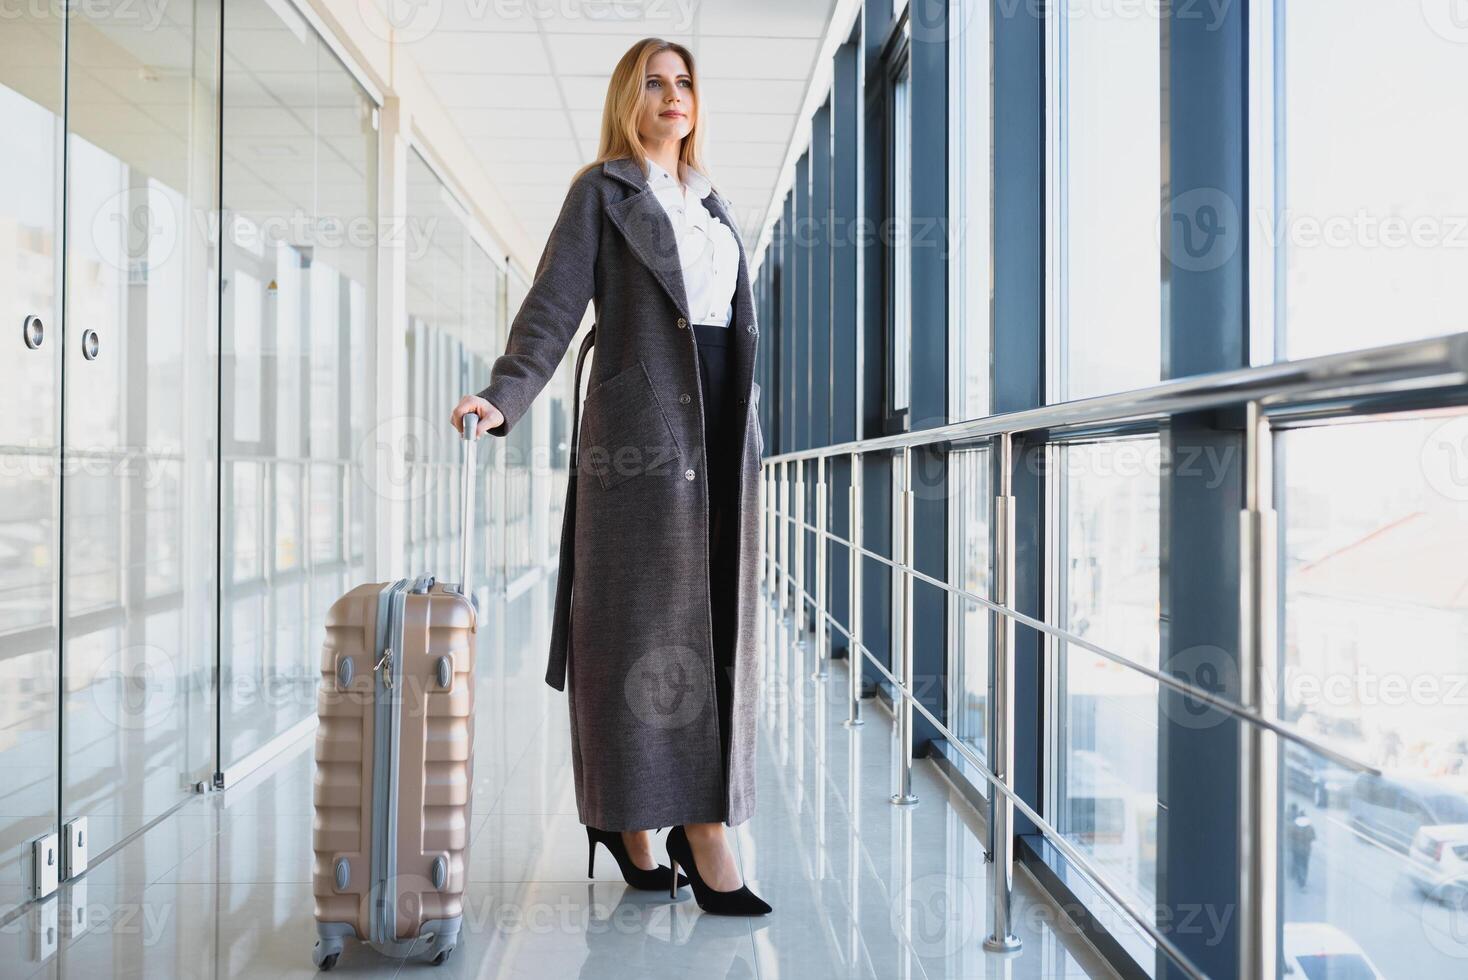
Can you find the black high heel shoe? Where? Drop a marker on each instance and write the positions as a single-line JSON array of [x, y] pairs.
[[643, 878], [741, 901]]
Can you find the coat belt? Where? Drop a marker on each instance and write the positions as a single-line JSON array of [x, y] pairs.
[[555, 671]]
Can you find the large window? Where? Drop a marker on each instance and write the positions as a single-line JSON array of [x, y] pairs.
[[1370, 209], [1374, 526], [970, 118], [972, 497], [1105, 183], [299, 328], [455, 294], [1106, 565]]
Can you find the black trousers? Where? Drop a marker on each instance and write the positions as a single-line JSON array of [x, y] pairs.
[[715, 372]]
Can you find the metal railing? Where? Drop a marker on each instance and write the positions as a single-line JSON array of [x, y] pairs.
[[1377, 380]]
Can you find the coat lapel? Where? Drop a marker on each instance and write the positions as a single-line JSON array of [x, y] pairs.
[[649, 233], [744, 339], [643, 222]]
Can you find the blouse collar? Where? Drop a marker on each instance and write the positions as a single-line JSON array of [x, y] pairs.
[[696, 181]]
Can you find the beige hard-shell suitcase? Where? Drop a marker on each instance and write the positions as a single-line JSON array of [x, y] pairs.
[[394, 761]]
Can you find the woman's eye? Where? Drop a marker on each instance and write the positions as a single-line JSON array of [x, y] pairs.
[[686, 83], [653, 83]]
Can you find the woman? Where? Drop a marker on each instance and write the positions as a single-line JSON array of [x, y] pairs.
[[656, 607]]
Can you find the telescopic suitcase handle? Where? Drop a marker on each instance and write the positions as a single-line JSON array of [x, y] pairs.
[[466, 518]]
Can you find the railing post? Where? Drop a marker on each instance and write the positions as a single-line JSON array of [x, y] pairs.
[[820, 672], [797, 562], [1259, 752], [1002, 937], [767, 501], [782, 586], [855, 659], [904, 795]]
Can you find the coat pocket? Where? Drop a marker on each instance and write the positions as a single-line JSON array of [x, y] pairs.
[[624, 433]]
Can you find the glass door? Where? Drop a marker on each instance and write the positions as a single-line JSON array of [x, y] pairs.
[[140, 498], [32, 46]]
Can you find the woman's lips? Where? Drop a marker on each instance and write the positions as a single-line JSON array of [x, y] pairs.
[[672, 114]]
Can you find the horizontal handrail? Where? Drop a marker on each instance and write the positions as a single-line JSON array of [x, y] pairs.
[[1439, 362], [1390, 378], [1227, 706]]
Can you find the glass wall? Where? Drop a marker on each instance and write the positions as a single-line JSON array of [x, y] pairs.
[[1370, 217], [970, 121], [455, 319], [1106, 565], [1105, 184], [1374, 523], [138, 491], [299, 327], [1110, 126], [972, 503], [32, 128]]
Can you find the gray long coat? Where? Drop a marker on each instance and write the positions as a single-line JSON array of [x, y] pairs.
[[632, 616]]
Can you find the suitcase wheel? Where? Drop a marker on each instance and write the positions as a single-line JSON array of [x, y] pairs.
[[326, 952], [442, 957]]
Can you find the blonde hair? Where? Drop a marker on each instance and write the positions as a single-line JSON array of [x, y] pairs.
[[623, 108]]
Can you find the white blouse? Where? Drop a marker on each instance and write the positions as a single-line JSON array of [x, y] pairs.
[[707, 250]]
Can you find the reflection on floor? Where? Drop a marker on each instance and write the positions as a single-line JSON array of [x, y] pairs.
[[860, 888]]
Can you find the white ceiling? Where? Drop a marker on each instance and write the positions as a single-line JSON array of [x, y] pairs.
[[526, 79]]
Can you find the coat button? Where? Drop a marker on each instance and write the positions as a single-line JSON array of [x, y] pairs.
[[682, 323], [751, 329], [687, 474], [684, 398]]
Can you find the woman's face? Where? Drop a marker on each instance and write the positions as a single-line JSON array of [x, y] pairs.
[[667, 99]]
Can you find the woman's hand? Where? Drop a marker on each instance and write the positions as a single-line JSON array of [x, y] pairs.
[[489, 416]]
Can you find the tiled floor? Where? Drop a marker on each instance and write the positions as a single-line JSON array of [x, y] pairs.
[[860, 888]]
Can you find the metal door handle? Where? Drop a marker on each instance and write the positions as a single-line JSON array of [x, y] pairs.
[[90, 344], [34, 331]]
